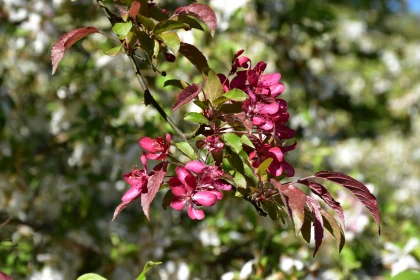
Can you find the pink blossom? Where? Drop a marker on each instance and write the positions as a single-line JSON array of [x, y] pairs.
[[138, 181], [157, 148], [209, 177], [184, 189]]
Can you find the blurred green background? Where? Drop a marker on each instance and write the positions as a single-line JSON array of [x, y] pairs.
[[351, 69]]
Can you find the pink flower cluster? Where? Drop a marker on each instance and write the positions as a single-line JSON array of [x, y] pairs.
[[263, 113], [197, 184]]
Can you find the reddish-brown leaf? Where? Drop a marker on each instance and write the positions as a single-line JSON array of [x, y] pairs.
[[194, 55], [357, 188], [202, 12], [186, 95], [323, 193], [134, 9], [318, 221], [4, 276], [120, 208], [155, 180], [66, 41], [294, 200]]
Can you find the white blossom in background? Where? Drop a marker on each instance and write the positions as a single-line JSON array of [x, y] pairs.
[[353, 29], [246, 270], [224, 10], [287, 264], [48, 272], [400, 259], [391, 61]]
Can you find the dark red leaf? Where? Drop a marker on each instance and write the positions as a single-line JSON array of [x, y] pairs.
[[134, 9], [66, 41], [155, 180], [194, 55], [323, 193], [4, 276], [121, 207], [294, 200], [318, 221], [202, 12], [357, 188], [186, 95], [307, 227]]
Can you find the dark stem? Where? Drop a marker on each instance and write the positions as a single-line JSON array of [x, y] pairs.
[[148, 97]]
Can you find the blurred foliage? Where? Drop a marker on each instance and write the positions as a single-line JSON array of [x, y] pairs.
[[351, 75]]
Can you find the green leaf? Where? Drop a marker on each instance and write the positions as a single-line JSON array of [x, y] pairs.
[[168, 25], [166, 201], [262, 168], [194, 55], [213, 88], [196, 117], [202, 104], [193, 23], [235, 161], [176, 83], [245, 140], [231, 108], [155, 54], [331, 224], [233, 141], [407, 275], [236, 95], [271, 209], [146, 43], [306, 227], [122, 28], [219, 100], [114, 51], [171, 40], [146, 22], [157, 14], [146, 268], [186, 149], [91, 276], [239, 180]]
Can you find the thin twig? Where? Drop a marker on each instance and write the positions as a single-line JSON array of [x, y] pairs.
[[148, 97], [5, 222]]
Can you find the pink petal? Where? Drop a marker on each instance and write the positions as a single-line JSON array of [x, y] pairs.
[[222, 185], [205, 198], [168, 140], [182, 172], [131, 194], [218, 194], [186, 178], [148, 144], [268, 80], [275, 168], [238, 53], [144, 161], [260, 67], [238, 82], [195, 214], [290, 171], [252, 78], [268, 125], [154, 156], [177, 188], [270, 109], [258, 121], [276, 153], [277, 89], [195, 166], [178, 203], [290, 147], [242, 62]]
